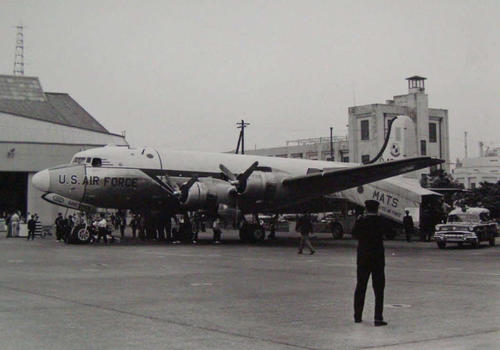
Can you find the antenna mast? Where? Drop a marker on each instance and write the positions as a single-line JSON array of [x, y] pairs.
[[19, 54], [465, 144]]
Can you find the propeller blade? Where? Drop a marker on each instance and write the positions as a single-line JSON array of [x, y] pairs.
[[227, 172], [243, 178]]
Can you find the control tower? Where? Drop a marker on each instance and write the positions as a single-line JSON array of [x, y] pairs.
[[418, 130]]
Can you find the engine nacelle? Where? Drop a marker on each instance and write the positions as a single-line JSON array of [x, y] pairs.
[[209, 193], [262, 185]]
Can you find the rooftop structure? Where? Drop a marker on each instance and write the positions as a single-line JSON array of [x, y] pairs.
[[23, 96]]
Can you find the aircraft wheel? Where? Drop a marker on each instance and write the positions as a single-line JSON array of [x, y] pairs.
[[258, 234], [81, 234], [441, 245], [337, 231]]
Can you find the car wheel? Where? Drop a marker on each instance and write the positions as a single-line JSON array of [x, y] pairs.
[[441, 245], [492, 241]]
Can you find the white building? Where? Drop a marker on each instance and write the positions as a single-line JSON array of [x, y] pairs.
[[417, 131], [472, 171], [321, 148], [39, 130]]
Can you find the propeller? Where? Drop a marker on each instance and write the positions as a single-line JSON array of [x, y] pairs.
[[185, 187], [239, 182]]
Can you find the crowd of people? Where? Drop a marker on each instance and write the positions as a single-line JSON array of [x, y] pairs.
[[14, 220], [144, 227]]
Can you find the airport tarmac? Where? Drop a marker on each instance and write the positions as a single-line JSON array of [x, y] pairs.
[[239, 296]]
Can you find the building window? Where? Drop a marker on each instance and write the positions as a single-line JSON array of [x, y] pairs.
[[472, 186], [312, 155], [282, 155], [433, 132], [365, 158], [365, 130], [296, 155], [345, 159], [423, 148]]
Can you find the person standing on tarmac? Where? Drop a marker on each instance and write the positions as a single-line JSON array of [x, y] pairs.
[[31, 228], [408, 225], [304, 226], [216, 229], [102, 229], [59, 226], [369, 230]]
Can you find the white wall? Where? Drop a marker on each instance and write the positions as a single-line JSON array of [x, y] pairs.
[[15, 128]]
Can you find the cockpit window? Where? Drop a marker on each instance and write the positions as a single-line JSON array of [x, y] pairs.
[[88, 160], [79, 160], [96, 162]]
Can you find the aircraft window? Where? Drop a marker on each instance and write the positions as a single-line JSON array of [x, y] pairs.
[[149, 155], [79, 160], [96, 162]]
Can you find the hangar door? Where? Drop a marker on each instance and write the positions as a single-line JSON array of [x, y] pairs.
[[13, 191]]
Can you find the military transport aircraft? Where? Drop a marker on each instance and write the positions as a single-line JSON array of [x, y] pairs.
[[179, 181]]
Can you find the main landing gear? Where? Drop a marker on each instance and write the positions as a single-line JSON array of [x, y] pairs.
[[252, 231]]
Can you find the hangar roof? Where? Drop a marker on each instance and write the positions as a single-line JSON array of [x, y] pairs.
[[23, 96]]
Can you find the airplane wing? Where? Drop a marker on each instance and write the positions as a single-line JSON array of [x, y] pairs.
[[331, 181]]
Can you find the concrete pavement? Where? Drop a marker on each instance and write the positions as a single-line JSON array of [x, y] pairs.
[[238, 296]]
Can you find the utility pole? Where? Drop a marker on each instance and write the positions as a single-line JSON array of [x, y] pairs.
[[241, 140], [19, 54], [331, 144]]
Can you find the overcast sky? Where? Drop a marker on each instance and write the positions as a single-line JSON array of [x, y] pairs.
[[180, 74]]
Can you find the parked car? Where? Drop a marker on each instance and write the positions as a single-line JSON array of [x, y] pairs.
[[467, 225]]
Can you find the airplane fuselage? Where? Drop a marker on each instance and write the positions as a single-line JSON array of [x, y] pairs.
[[129, 178]]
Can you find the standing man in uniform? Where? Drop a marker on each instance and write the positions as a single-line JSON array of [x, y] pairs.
[[369, 230]]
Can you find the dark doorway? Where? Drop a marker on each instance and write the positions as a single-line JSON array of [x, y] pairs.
[[13, 192]]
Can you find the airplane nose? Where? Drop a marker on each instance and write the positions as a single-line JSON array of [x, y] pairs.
[[41, 180]]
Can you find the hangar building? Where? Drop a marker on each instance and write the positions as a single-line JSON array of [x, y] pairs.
[[39, 130]]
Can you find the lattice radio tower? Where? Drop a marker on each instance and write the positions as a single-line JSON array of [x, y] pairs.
[[19, 55]]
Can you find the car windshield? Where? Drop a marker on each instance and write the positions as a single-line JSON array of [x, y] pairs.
[[463, 218]]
